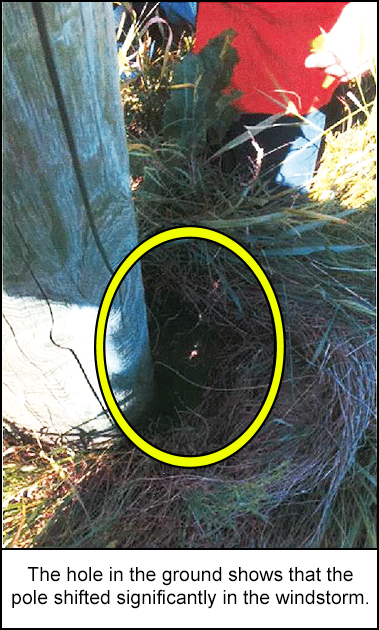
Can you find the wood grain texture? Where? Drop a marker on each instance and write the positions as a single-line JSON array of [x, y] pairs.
[[55, 273]]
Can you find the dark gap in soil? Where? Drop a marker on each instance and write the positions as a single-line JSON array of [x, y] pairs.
[[210, 330]]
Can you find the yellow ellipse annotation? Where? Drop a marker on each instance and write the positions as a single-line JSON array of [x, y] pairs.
[[101, 324]]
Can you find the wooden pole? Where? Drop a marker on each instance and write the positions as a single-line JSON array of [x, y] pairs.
[[68, 222]]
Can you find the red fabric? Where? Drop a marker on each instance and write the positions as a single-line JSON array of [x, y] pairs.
[[273, 41]]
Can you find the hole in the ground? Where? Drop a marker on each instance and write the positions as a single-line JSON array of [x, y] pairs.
[[212, 344]]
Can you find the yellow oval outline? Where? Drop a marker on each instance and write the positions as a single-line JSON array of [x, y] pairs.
[[100, 331]]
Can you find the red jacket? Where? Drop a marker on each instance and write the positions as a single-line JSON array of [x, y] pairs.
[[273, 41]]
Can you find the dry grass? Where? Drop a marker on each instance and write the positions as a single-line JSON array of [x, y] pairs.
[[347, 173], [286, 486]]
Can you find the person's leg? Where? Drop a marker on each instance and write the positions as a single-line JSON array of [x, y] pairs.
[[290, 149], [298, 168]]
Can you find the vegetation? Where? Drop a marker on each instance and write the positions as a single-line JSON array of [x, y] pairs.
[[307, 479]]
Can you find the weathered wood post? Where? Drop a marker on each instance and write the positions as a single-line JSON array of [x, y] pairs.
[[68, 222]]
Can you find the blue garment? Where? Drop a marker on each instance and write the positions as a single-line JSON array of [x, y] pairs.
[[186, 10], [298, 167]]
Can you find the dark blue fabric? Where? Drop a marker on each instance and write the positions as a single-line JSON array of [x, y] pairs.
[[186, 10]]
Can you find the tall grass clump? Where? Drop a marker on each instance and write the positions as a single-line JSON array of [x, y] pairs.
[[307, 479]]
